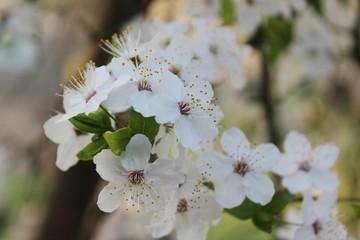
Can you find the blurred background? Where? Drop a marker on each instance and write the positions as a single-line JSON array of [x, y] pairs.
[[43, 41]]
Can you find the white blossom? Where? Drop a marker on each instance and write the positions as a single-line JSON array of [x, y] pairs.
[[133, 181], [189, 108], [86, 93], [303, 168], [320, 219], [239, 173]]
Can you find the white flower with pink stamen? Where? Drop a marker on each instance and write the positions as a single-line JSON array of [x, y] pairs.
[[133, 181], [303, 168], [239, 173], [86, 93], [189, 108]]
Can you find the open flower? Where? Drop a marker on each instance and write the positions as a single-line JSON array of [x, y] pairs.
[[320, 219], [303, 168], [86, 93], [189, 108], [133, 181], [238, 174], [135, 85]]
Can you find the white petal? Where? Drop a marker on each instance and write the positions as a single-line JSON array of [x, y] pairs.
[[258, 187], [200, 205], [119, 98], [171, 87], [235, 143], [325, 155], [297, 182], [119, 66], [230, 192], [187, 228], [285, 166], [305, 232], [58, 131], [297, 145], [163, 171], [201, 91], [307, 210], [264, 157], [215, 165], [109, 198], [66, 153], [101, 75], [137, 153], [140, 100], [192, 130], [165, 109], [324, 179], [110, 167]]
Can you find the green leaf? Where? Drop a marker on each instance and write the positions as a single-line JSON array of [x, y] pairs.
[[118, 140], [146, 126], [263, 221], [245, 211], [92, 149], [97, 122], [280, 200], [356, 209], [227, 11], [278, 34]]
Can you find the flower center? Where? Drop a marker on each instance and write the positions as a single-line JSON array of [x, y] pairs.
[[305, 166], [144, 85], [241, 168], [184, 108], [316, 226], [182, 206], [136, 177], [90, 95]]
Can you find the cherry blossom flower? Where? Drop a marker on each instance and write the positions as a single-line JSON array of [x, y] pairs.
[[239, 173], [70, 141], [320, 219], [303, 168], [135, 85], [189, 108], [133, 181], [86, 93]]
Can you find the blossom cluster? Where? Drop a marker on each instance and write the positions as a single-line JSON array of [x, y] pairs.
[[167, 159]]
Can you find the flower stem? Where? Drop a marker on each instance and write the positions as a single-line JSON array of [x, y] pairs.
[[111, 116]]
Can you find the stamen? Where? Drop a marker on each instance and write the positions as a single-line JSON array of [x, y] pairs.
[[184, 108], [136, 177], [182, 206], [241, 168]]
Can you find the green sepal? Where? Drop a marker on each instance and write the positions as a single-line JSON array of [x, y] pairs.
[[227, 12], [96, 122], [280, 200], [245, 211], [93, 148], [143, 125], [118, 140]]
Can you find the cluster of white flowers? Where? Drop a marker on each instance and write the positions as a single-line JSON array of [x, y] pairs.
[[178, 177]]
